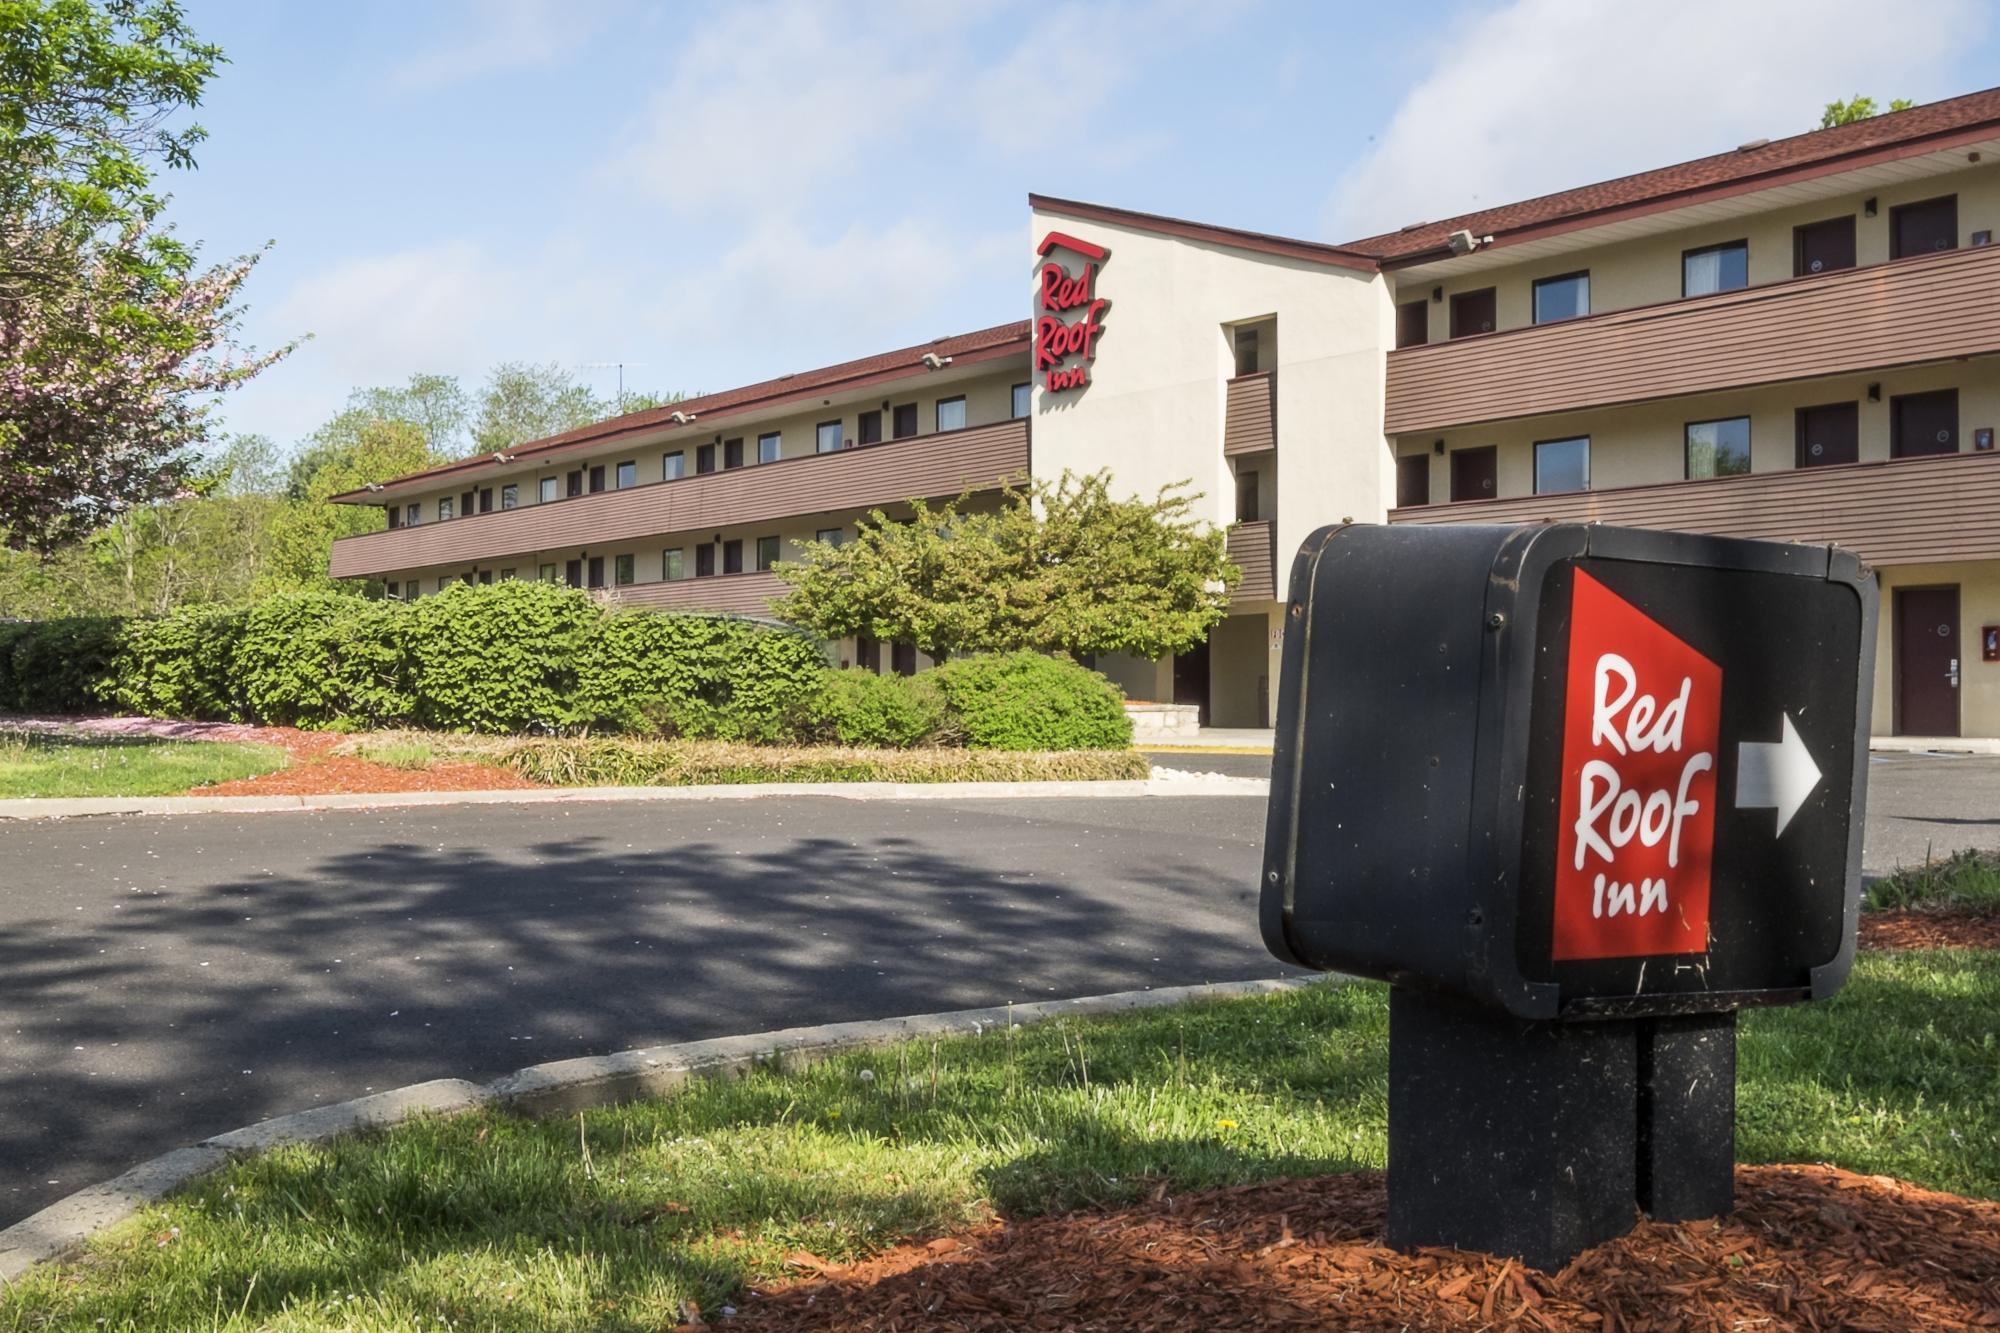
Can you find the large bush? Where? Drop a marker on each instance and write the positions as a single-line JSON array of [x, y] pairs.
[[696, 675], [1028, 701], [68, 666], [183, 665], [861, 708], [11, 633], [313, 659], [502, 657]]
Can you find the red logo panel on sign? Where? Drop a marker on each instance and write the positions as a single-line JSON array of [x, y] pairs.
[[1642, 720], [1072, 314]]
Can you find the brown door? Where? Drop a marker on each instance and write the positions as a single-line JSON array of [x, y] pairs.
[[1472, 312], [1475, 473], [1413, 323], [871, 426], [1829, 434], [1919, 229], [1923, 423], [1191, 678], [1413, 480], [903, 421], [1927, 661], [1822, 247]]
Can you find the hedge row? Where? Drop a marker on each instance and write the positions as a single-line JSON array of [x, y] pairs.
[[523, 657]]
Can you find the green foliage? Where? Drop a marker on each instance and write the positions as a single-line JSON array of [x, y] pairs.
[[1857, 108], [1060, 566], [862, 708], [621, 761], [68, 666], [500, 657], [1967, 878], [183, 665], [694, 675], [310, 658], [1029, 701], [347, 454], [523, 402]]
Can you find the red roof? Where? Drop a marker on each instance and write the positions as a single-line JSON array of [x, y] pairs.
[[1894, 134], [986, 344]]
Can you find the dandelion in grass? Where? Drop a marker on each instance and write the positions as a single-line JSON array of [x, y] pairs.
[[1225, 1124]]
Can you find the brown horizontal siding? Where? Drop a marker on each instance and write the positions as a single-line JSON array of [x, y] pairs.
[[739, 594], [1251, 550], [1930, 308], [923, 466], [1908, 511], [1250, 419]]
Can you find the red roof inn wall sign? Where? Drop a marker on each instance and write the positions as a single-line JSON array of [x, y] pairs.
[[1578, 793], [1069, 314]]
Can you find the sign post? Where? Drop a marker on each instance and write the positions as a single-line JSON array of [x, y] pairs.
[[1580, 794]]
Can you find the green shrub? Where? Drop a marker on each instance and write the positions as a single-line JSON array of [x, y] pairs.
[[70, 665], [309, 659], [183, 665], [1028, 701], [501, 657], [862, 708], [11, 633]]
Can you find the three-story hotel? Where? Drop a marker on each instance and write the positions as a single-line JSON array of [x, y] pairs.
[[1795, 339]]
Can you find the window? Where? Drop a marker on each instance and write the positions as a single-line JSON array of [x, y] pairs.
[[770, 446], [444, 508], [1718, 448], [1413, 480], [1472, 312], [596, 478], [1823, 247], [1562, 465], [395, 592], [903, 658], [870, 424], [628, 475], [1715, 268], [546, 491], [732, 556], [466, 579], [951, 413], [575, 480], [485, 499], [1828, 434], [904, 422], [395, 517], [673, 466], [510, 497], [732, 453], [704, 560], [1413, 323], [597, 571], [621, 570], [1246, 497], [867, 653], [827, 437], [1475, 473], [444, 581], [670, 564], [465, 503], [508, 573], [831, 536], [1024, 400], [413, 514], [1923, 423], [1563, 297], [1246, 345], [1919, 229], [767, 552], [704, 459], [411, 592], [546, 573], [573, 573], [486, 576]]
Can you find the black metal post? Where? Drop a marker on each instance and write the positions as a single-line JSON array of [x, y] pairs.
[[1687, 1116]]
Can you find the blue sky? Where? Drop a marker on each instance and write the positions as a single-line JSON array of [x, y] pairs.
[[721, 193]]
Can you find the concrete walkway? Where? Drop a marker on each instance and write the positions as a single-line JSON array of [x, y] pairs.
[[1249, 739]]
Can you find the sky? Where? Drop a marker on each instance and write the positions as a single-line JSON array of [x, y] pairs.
[[714, 194]]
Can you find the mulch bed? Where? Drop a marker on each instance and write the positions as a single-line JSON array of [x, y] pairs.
[[1809, 1247], [1932, 928]]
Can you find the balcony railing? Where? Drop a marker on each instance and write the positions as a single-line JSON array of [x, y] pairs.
[[922, 466], [739, 594], [1250, 416], [1922, 309], [1905, 511], [1252, 548]]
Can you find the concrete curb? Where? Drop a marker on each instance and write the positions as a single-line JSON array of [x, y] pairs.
[[561, 1087], [76, 807]]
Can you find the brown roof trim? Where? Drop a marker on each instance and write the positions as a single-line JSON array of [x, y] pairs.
[[1314, 252], [990, 344]]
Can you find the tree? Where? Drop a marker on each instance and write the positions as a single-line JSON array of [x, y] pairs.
[[1057, 566], [346, 454], [523, 402], [1856, 108], [434, 404]]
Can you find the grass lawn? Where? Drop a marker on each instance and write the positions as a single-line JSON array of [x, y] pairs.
[[71, 764], [612, 1219], [1964, 879]]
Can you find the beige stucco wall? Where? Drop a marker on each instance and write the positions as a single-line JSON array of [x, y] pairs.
[[1641, 272], [1978, 605], [1644, 444]]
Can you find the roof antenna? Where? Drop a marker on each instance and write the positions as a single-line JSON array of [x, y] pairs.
[[619, 366]]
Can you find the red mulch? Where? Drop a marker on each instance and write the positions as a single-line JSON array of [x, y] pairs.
[[1932, 928], [316, 770], [1809, 1247]]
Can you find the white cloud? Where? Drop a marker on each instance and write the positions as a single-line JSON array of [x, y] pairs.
[[375, 318], [501, 35], [1545, 95]]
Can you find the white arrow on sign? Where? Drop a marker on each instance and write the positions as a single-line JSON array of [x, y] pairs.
[[1778, 774]]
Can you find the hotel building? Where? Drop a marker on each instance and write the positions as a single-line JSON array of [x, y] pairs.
[[1796, 339]]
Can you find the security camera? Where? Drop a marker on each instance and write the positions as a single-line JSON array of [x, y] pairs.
[[932, 361], [680, 418], [1462, 242]]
